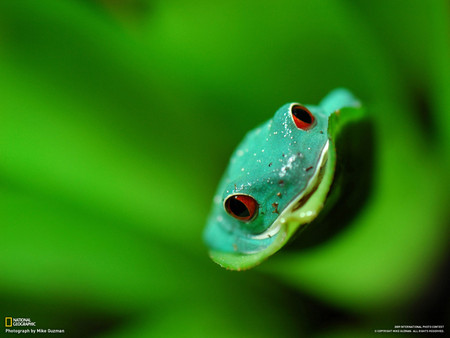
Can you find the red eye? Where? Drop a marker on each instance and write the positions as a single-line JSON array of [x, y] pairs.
[[302, 117], [241, 207]]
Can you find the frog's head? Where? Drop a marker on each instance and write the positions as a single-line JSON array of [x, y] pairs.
[[270, 174]]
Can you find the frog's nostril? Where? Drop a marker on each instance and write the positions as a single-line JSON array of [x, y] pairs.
[[302, 117], [241, 207]]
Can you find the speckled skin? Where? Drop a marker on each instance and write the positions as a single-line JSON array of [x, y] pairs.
[[273, 164]]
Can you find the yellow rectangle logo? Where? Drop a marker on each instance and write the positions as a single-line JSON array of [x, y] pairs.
[[8, 321]]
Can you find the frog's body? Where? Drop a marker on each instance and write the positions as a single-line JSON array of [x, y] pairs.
[[279, 168]]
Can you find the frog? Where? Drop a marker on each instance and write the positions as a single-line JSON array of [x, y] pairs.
[[277, 180]]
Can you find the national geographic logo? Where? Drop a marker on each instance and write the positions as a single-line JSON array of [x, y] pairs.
[[16, 326], [8, 321]]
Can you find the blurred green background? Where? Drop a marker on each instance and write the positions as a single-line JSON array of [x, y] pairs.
[[117, 119]]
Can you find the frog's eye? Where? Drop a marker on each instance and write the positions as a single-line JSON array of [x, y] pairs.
[[241, 207], [302, 117]]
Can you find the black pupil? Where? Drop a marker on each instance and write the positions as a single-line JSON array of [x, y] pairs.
[[238, 208], [301, 114]]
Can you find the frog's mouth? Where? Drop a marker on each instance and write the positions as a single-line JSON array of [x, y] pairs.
[[315, 181], [298, 202], [300, 211]]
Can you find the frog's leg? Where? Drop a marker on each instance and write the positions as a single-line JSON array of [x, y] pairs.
[[337, 99]]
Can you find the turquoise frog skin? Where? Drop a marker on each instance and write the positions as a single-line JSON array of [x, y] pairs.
[[272, 175]]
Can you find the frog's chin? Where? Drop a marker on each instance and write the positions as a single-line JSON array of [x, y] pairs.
[[299, 212]]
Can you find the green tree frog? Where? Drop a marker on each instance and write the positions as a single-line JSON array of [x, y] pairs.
[[277, 180]]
